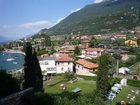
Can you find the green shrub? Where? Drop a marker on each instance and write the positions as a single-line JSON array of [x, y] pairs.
[[88, 77], [132, 82]]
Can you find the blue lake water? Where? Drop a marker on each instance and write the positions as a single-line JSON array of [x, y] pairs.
[[11, 61]]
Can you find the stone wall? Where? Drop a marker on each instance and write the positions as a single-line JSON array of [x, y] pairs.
[[16, 98]]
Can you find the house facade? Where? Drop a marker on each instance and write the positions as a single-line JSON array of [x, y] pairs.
[[92, 52], [63, 63], [56, 64], [84, 67], [48, 65]]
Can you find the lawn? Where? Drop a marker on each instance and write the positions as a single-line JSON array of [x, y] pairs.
[[53, 86], [124, 93], [87, 86], [135, 68]]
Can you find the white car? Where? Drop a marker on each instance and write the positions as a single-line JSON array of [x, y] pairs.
[[115, 89], [111, 96]]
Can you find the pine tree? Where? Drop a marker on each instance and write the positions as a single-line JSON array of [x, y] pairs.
[[102, 77]]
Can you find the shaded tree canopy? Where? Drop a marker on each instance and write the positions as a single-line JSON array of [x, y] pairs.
[[32, 70], [102, 77], [8, 84]]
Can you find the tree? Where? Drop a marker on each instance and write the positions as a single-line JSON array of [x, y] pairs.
[[8, 84], [52, 50], [102, 77], [93, 42], [77, 51], [32, 71], [39, 80], [47, 41]]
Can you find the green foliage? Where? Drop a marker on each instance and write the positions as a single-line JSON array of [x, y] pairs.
[[132, 82], [77, 51], [88, 77], [41, 52], [52, 50], [112, 81], [1, 48], [8, 84], [103, 19], [32, 70], [93, 42], [69, 76], [102, 77]]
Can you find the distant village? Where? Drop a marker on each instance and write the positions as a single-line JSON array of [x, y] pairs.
[[75, 53]]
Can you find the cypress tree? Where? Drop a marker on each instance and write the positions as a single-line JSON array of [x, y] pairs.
[[39, 80], [32, 71], [102, 77]]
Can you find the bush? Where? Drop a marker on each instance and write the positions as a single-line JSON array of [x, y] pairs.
[[132, 82], [88, 77], [8, 84], [69, 76]]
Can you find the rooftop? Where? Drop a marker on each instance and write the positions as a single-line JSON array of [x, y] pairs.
[[87, 64]]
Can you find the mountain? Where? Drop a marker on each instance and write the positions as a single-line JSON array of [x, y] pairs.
[[104, 17]]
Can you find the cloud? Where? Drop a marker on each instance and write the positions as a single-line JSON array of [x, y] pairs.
[[37, 25], [72, 11], [59, 20], [75, 10], [98, 1]]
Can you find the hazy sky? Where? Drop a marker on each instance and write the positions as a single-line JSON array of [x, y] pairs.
[[20, 18]]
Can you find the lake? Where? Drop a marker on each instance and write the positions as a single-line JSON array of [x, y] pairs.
[[11, 61]]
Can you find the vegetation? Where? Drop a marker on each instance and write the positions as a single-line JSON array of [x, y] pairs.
[[1, 48], [104, 19], [77, 51], [8, 84], [135, 83], [69, 76], [93, 42], [32, 70], [102, 76]]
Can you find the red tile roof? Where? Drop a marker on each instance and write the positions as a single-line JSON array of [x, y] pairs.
[[63, 58], [87, 64], [94, 49]]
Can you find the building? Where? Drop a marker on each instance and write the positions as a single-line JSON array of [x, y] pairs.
[[48, 65], [84, 42], [63, 63], [84, 67], [119, 36], [92, 52], [56, 64]]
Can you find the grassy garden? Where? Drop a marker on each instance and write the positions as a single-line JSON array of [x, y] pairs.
[[87, 85], [53, 86]]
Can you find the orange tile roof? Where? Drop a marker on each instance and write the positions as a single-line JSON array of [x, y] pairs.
[[87, 64], [94, 49], [63, 58]]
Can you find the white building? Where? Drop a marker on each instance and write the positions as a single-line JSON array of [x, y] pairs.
[[47, 65], [59, 63], [63, 63]]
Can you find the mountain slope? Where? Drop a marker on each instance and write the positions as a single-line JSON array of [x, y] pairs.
[[108, 16]]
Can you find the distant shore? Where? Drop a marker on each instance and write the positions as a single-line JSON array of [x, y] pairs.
[[16, 71], [13, 51]]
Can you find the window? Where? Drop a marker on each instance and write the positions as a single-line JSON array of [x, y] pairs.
[[46, 63], [69, 69], [62, 68]]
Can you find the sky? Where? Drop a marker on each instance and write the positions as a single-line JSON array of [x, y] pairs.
[[19, 18]]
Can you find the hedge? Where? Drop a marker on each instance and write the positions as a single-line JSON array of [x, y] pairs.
[[132, 82]]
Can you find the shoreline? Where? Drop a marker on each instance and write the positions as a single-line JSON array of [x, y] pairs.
[[13, 51], [15, 71]]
